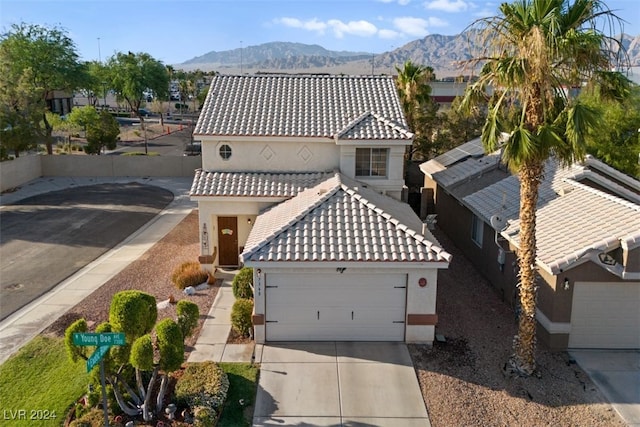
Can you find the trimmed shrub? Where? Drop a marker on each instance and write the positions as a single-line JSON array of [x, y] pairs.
[[204, 417], [241, 285], [189, 273], [203, 384], [170, 345], [188, 314], [241, 316]]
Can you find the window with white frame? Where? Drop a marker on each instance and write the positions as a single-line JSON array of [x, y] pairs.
[[371, 161], [477, 227]]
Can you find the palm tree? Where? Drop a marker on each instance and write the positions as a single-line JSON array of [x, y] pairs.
[[417, 105], [533, 52]]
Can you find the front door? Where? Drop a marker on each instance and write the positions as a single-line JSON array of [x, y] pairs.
[[228, 240]]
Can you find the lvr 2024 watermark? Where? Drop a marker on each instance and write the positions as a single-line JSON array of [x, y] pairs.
[[28, 414]]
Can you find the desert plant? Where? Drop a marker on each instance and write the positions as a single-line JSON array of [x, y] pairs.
[[203, 384], [189, 273], [241, 316], [241, 285], [188, 314]]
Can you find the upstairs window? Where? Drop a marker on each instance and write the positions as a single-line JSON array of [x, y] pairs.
[[225, 152], [371, 161]]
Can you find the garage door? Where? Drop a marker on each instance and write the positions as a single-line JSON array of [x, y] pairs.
[[605, 315], [333, 306]]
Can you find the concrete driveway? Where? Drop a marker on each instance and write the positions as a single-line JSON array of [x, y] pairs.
[[617, 375], [338, 384]]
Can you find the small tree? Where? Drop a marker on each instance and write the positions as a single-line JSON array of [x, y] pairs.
[[188, 314], [241, 285], [241, 316], [103, 133], [82, 117]]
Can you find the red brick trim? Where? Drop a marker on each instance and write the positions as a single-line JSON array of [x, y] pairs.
[[422, 319], [257, 319], [205, 259]]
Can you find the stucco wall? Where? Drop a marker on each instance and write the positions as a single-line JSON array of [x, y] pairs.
[[24, 169], [271, 154], [16, 172]]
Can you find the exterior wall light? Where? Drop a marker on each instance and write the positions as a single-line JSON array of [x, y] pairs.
[[565, 284]]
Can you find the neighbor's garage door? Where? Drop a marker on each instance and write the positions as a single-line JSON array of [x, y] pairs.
[[333, 306], [605, 315]]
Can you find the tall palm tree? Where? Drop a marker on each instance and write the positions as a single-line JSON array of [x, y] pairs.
[[417, 105], [535, 50]]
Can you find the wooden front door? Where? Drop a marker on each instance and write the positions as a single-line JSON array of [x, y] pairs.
[[228, 240]]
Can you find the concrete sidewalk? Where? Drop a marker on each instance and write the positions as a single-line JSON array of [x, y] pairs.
[[212, 341], [26, 323]]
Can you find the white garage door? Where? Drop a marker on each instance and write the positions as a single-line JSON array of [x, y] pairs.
[[335, 307], [605, 315]]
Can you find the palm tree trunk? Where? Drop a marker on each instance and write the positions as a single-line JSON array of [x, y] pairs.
[[524, 343]]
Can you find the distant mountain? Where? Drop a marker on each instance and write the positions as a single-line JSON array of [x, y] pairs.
[[274, 51], [446, 54]]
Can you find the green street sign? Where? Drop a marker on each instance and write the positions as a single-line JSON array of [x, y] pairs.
[[93, 339], [97, 356]]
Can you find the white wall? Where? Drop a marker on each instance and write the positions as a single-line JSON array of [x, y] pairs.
[[16, 172], [272, 154]]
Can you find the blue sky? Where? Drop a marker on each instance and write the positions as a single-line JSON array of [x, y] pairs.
[[174, 31]]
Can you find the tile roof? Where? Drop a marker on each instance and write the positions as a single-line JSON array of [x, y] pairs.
[[503, 197], [303, 106], [253, 184], [442, 162], [340, 220], [584, 219]]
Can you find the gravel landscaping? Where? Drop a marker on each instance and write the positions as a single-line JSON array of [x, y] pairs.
[[462, 380]]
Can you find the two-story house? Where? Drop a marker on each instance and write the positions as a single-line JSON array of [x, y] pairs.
[[587, 233], [301, 179]]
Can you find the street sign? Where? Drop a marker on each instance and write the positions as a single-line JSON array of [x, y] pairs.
[[93, 339], [97, 356]]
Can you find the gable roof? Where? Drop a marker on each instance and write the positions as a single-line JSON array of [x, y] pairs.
[[573, 219], [303, 106], [581, 220], [253, 184], [341, 220]]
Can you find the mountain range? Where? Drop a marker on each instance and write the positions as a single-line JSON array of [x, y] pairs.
[[446, 54]]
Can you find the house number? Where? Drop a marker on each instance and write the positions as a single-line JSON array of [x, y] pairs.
[[422, 282]]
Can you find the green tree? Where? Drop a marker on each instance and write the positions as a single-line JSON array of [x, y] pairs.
[[534, 49], [419, 108], [82, 117], [131, 75], [102, 133], [617, 141], [97, 84], [51, 57], [456, 126], [21, 110]]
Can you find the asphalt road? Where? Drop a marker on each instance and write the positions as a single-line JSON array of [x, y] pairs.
[[47, 238]]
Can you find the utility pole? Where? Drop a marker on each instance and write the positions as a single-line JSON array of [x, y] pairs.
[[240, 57], [99, 55]]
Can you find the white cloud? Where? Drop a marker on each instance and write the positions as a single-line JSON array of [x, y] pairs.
[[356, 28], [310, 25], [448, 5], [484, 13], [412, 26], [389, 34], [437, 22], [400, 2]]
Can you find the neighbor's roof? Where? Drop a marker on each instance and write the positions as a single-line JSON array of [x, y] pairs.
[[572, 217], [354, 107], [253, 184], [341, 220], [580, 220]]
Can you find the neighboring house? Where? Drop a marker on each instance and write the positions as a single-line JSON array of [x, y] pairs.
[[302, 179], [59, 102], [588, 241]]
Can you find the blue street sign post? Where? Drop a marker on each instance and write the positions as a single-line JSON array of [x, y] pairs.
[[103, 342]]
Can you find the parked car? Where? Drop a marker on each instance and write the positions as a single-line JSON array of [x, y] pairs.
[[144, 112], [193, 149]]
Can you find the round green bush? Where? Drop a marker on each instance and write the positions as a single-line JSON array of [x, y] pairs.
[[203, 384], [188, 314], [189, 273], [241, 285], [241, 316]]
